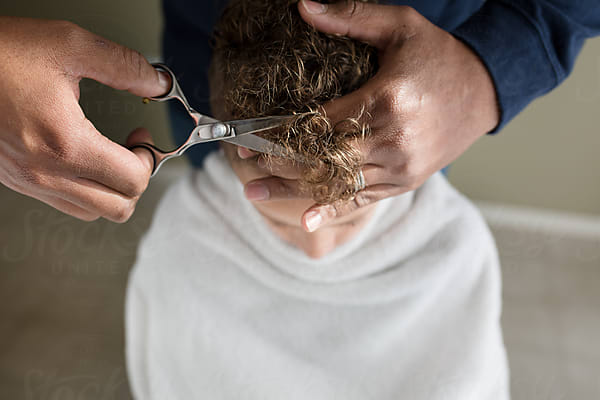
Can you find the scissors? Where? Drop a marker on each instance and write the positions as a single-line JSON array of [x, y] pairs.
[[207, 129]]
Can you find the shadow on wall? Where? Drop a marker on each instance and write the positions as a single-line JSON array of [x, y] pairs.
[[63, 283]]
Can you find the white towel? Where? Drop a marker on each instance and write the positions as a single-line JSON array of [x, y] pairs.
[[219, 307]]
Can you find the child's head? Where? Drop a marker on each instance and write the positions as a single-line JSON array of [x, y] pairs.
[[268, 61]]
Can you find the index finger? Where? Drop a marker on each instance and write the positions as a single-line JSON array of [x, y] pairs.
[[360, 105], [355, 104], [112, 64]]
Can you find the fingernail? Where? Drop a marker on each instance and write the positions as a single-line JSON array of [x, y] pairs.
[[262, 163], [256, 191], [244, 153], [164, 80], [313, 7], [313, 220]]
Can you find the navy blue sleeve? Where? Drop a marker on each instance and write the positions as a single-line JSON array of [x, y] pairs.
[[187, 51], [529, 46]]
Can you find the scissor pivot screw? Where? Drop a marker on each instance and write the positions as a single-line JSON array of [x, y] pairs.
[[219, 130]]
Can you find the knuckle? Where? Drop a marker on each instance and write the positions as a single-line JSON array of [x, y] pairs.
[[53, 146], [66, 28], [71, 34], [137, 180], [389, 101], [138, 187], [122, 213], [403, 141], [29, 143], [407, 11], [411, 22], [343, 9], [413, 185], [26, 176], [336, 210], [399, 170], [133, 60], [350, 8], [282, 189], [330, 211], [362, 199], [31, 178], [410, 176], [264, 164], [409, 14], [355, 7], [57, 148]]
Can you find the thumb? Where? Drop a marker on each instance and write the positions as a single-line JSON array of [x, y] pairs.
[[141, 135], [374, 24]]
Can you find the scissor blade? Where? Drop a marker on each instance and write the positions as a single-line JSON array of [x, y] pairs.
[[244, 135], [257, 143], [245, 126]]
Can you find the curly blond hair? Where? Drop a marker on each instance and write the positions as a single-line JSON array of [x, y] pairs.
[[273, 63]]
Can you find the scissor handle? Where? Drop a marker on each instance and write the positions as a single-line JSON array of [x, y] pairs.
[[201, 134], [158, 156], [175, 92], [209, 129]]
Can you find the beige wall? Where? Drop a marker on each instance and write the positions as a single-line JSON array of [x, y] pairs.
[[135, 23], [549, 156], [546, 157]]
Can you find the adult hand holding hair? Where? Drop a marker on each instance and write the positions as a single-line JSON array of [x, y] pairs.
[[431, 98], [49, 150]]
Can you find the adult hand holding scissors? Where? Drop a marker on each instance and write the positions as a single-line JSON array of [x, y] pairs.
[[430, 100], [49, 150]]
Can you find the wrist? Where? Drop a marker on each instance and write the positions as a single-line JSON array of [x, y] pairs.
[[483, 90]]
